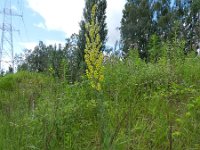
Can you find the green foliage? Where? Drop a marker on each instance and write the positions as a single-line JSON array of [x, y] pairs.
[[95, 73], [100, 18], [93, 55], [143, 18], [7, 83], [155, 48], [144, 105], [136, 25], [136, 104], [59, 62]]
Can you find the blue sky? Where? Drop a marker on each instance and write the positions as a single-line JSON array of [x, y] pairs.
[[52, 21]]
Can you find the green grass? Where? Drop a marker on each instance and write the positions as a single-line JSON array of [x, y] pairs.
[[142, 106]]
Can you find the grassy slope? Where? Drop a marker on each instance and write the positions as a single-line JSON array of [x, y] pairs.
[[144, 106]]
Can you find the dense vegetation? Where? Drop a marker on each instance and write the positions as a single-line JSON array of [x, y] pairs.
[[144, 24], [73, 97], [143, 106], [143, 19]]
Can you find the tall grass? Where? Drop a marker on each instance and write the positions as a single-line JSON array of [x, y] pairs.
[[146, 106]]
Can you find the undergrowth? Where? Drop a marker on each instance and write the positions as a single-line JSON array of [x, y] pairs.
[[146, 106]]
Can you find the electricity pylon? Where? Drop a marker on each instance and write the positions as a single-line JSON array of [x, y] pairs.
[[7, 29]]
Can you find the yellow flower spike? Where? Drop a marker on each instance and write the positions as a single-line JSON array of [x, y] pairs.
[[93, 55]]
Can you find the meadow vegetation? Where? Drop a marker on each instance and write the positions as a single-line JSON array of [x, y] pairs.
[[154, 105], [144, 95]]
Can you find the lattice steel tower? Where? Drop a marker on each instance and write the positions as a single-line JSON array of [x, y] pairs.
[[6, 27]]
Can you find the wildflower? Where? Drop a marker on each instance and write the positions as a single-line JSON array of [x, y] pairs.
[[93, 55]]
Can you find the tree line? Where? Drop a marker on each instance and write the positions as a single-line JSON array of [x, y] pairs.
[[144, 19], [145, 25]]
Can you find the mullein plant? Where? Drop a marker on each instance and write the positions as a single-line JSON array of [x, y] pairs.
[[93, 55], [95, 73]]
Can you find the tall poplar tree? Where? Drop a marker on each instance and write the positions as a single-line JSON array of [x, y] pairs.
[[100, 18], [163, 17], [168, 19], [136, 25]]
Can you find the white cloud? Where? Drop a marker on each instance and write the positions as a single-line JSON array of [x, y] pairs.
[[65, 15], [6, 62], [14, 8], [40, 25], [61, 15], [114, 15], [32, 45]]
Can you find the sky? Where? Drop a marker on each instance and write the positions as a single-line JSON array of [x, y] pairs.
[[52, 21]]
